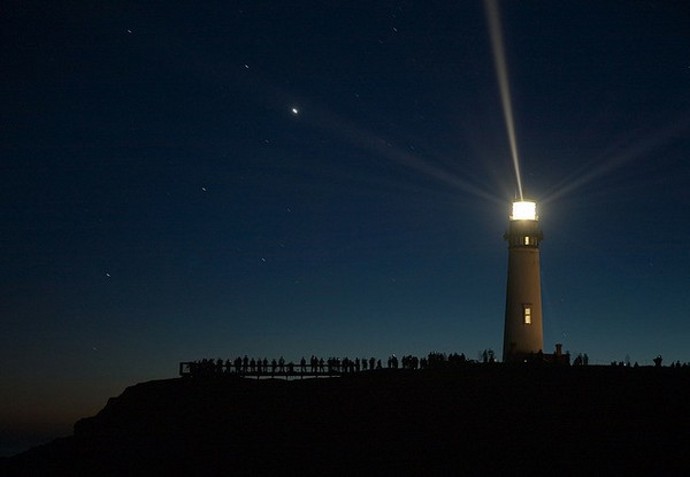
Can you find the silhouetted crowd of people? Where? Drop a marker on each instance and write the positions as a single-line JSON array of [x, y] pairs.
[[314, 366], [335, 366], [657, 363]]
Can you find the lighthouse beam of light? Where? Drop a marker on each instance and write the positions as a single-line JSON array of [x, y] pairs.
[[502, 75]]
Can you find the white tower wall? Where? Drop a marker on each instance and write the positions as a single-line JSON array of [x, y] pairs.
[[523, 332]]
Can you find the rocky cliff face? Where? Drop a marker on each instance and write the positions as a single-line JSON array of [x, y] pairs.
[[477, 418]]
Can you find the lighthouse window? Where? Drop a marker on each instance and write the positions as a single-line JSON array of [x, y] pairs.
[[527, 314]]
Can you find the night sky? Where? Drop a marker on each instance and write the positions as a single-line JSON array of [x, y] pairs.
[[205, 179]]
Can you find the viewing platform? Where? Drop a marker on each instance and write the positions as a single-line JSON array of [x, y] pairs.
[[193, 369]]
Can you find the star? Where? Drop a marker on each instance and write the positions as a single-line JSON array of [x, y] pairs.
[[295, 111]]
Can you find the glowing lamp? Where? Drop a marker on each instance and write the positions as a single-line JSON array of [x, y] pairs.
[[524, 210]]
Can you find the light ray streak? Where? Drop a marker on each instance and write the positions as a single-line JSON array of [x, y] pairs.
[[321, 118], [502, 75], [623, 156]]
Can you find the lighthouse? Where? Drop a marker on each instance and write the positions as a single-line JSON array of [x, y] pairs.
[[523, 333]]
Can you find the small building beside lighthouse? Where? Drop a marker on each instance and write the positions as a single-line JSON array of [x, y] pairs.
[[523, 333]]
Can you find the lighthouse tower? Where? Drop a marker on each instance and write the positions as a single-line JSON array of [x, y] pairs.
[[523, 325]]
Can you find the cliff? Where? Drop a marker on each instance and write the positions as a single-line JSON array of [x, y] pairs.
[[472, 419]]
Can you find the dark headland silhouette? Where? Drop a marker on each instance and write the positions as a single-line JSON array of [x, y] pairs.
[[455, 418]]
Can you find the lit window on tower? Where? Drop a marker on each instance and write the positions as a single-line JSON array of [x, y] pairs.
[[527, 314]]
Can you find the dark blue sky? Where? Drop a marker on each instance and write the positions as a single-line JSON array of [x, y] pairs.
[[161, 201]]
